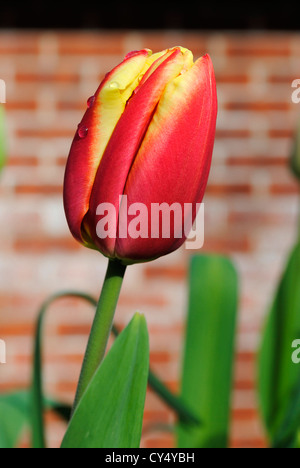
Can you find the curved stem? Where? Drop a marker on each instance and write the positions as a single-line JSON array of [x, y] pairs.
[[102, 325], [37, 410], [37, 414]]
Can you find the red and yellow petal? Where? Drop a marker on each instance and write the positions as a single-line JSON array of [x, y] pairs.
[[126, 139], [173, 162], [93, 134]]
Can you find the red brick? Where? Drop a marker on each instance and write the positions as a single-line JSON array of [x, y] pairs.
[[227, 245], [45, 133], [246, 357], [142, 301], [160, 442], [38, 78], [173, 386], [256, 218], [245, 414], [152, 416], [244, 384], [70, 105], [291, 188], [70, 359], [61, 161], [232, 78], [258, 443], [22, 161], [27, 105], [12, 386], [281, 133], [235, 133], [73, 330], [256, 46], [66, 387], [91, 43], [257, 161], [175, 274], [261, 106], [223, 189], [15, 44], [159, 357], [35, 245], [39, 190], [281, 78], [16, 329], [17, 300]]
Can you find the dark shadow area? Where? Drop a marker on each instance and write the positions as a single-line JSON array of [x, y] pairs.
[[128, 14]]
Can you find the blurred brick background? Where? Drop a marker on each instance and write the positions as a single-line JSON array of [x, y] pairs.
[[251, 206]]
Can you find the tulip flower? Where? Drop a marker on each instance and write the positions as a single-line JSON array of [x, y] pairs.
[[146, 138], [145, 141]]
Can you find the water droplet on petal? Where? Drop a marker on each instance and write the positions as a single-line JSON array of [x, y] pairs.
[[114, 85], [90, 101], [82, 131]]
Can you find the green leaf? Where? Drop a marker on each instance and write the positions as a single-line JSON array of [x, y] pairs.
[[110, 412], [14, 411], [2, 137], [209, 351], [279, 377]]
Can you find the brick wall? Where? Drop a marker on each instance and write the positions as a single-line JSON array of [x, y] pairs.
[[251, 206]]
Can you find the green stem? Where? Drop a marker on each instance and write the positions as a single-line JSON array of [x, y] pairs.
[[102, 325], [298, 238]]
